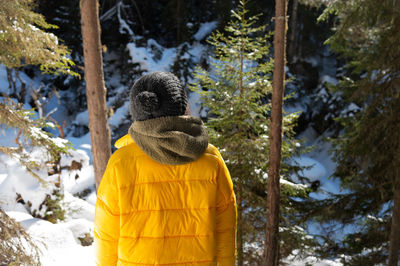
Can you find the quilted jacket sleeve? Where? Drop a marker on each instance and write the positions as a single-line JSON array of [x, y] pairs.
[[226, 218], [106, 221]]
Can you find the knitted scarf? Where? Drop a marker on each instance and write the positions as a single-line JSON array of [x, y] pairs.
[[171, 140]]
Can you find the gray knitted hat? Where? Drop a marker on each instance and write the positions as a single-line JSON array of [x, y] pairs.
[[157, 94]]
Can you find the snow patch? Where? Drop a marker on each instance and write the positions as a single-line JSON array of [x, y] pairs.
[[296, 260], [19, 181], [328, 79], [152, 58], [313, 170], [205, 29], [82, 118], [120, 116], [58, 242]]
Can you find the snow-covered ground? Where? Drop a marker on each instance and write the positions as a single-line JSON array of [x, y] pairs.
[[59, 242]]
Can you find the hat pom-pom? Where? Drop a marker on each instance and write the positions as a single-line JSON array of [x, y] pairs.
[[148, 101]]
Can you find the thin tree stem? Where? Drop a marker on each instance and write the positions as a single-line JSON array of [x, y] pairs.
[[271, 249]]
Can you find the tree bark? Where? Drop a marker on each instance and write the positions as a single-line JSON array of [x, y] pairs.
[[240, 224], [240, 231], [395, 227], [271, 248], [293, 22], [95, 87], [178, 22]]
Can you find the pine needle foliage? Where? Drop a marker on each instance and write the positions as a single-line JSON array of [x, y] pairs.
[[23, 42], [367, 37], [16, 246], [236, 93], [12, 116]]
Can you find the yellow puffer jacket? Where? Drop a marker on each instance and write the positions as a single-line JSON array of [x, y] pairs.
[[149, 213]]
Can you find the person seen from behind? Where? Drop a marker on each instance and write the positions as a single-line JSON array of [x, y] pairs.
[[166, 197]]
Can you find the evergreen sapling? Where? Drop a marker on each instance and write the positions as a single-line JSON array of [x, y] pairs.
[[235, 92]]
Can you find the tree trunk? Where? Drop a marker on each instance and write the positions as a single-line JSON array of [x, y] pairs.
[[178, 22], [240, 224], [139, 16], [271, 249], [95, 87], [240, 231], [395, 228], [293, 20]]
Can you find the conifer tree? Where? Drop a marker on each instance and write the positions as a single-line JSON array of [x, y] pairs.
[[236, 92], [367, 36], [24, 41]]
